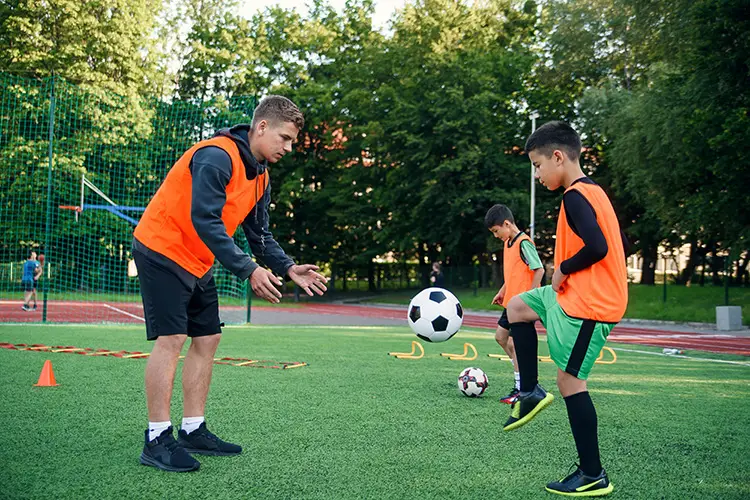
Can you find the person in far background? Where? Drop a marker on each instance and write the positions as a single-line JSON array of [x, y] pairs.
[[437, 278], [32, 269]]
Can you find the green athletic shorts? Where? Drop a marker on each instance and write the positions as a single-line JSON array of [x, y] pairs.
[[574, 343]]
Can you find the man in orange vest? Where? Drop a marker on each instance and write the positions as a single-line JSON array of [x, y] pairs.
[[587, 297], [216, 186]]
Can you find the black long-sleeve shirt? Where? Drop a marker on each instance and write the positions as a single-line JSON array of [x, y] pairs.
[[582, 220]]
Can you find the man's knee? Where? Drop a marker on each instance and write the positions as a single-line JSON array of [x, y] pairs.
[[206, 343], [171, 343]]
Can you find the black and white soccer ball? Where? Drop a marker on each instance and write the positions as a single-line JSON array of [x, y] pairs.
[[472, 382], [435, 314]]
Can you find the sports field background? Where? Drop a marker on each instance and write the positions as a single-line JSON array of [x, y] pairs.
[[357, 423]]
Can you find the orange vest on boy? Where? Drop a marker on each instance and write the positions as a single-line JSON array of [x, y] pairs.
[[599, 292], [516, 273], [166, 226]]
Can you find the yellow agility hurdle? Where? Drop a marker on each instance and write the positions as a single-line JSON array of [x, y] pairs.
[[410, 355], [465, 356], [546, 359]]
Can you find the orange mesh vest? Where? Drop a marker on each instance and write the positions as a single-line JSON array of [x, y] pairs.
[[166, 226], [599, 292], [516, 272]]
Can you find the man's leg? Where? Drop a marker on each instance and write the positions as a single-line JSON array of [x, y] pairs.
[[26, 299], [196, 373], [204, 327], [160, 371]]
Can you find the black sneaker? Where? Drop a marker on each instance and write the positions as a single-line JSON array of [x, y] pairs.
[[511, 398], [25, 307], [579, 484], [204, 442], [166, 454], [527, 407]]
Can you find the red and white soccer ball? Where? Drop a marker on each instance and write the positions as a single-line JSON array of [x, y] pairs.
[[435, 314], [472, 382]]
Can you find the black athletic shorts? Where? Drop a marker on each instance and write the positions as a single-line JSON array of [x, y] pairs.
[[28, 285], [173, 307], [503, 321]]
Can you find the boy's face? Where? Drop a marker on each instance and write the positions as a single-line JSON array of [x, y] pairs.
[[274, 140], [549, 170], [501, 231], [32, 256]]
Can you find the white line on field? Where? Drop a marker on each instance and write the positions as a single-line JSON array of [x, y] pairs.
[[124, 312], [742, 363]]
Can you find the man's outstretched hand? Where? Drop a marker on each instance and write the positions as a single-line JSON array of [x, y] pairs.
[[264, 284], [308, 279]]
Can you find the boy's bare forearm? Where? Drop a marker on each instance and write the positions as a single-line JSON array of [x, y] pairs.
[[538, 274]]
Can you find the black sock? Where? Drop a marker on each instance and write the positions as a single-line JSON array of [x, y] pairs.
[[526, 344], [582, 417]]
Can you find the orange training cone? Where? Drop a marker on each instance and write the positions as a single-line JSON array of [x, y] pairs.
[[47, 377]]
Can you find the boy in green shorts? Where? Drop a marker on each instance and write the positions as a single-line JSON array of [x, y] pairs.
[[587, 297], [522, 271]]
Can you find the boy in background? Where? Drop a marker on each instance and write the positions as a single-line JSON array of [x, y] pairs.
[[522, 271]]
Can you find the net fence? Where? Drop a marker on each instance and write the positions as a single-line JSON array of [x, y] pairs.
[[77, 168]]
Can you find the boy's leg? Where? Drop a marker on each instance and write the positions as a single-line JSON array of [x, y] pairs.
[[574, 346], [502, 337], [521, 318], [583, 421], [523, 310]]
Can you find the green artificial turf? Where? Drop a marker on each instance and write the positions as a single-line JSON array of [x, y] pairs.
[[357, 423]]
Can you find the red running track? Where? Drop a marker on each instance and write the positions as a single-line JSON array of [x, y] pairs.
[[132, 312]]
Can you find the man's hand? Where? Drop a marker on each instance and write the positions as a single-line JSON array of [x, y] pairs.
[[306, 277], [558, 279], [262, 281]]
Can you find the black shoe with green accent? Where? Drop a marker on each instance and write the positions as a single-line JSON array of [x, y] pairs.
[[164, 453], [527, 407], [204, 442], [579, 484]]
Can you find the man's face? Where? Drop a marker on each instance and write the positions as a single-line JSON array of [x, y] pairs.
[[549, 170], [501, 231], [274, 139], [32, 256]]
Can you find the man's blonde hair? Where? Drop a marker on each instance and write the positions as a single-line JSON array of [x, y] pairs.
[[276, 108]]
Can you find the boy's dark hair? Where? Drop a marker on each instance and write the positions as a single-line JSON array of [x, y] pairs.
[[552, 136], [497, 215], [279, 109]]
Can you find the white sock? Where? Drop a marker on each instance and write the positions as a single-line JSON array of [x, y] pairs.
[[189, 424], [518, 380], [156, 428]]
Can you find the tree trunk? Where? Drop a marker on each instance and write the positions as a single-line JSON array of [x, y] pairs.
[[717, 263], [686, 276], [648, 266], [371, 276]]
